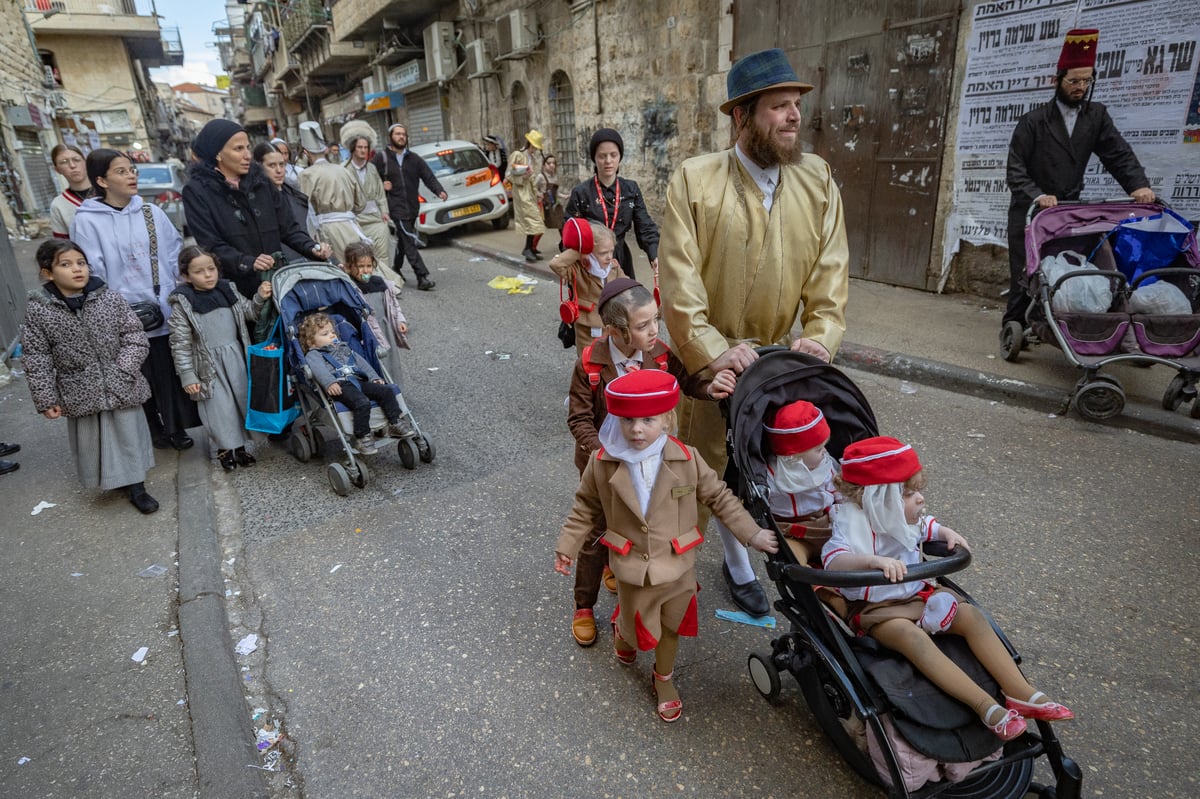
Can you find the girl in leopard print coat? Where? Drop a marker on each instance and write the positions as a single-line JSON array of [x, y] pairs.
[[84, 348]]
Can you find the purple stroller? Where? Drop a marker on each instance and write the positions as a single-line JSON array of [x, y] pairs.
[[1133, 245]]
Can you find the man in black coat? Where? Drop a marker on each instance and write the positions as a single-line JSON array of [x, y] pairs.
[[402, 174], [1049, 152]]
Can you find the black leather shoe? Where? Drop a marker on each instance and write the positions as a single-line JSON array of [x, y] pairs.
[[750, 596], [529, 255], [141, 500], [425, 284], [181, 441], [8, 449], [9, 466]]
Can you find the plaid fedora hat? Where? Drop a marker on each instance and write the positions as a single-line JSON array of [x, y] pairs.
[[758, 72]]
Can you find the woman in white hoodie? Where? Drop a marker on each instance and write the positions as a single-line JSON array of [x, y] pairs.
[[133, 247]]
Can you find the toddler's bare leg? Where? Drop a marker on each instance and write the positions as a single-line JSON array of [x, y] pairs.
[[905, 637], [972, 625]]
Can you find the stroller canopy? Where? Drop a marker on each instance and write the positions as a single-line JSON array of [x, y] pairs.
[[781, 376]]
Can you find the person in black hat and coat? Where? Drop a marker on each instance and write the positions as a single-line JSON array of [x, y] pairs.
[[233, 210], [613, 201]]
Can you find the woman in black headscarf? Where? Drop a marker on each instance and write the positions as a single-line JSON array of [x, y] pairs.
[[235, 212], [614, 202]]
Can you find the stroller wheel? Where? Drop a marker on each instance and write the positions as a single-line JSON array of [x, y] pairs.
[[764, 675], [339, 479], [1012, 341], [425, 448], [1102, 398], [1173, 396], [299, 445], [406, 448], [361, 474]]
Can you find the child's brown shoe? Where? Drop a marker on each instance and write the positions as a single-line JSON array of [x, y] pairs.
[[583, 627], [610, 580]]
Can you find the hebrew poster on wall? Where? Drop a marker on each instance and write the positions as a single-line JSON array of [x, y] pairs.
[[1147, 77]]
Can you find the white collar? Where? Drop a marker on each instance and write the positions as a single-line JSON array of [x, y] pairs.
[[1066, 110], [619, 358], [766, 178]]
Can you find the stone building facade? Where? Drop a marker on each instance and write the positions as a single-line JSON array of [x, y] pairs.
[[26, 129]]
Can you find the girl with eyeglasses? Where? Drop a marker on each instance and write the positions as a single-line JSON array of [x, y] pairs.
[[68, 162], [133, 247]]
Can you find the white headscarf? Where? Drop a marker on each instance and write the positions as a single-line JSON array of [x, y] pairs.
[[793, 477], [643, 463]]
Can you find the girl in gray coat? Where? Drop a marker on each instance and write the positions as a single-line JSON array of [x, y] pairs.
[[209, 337], [84, 348]]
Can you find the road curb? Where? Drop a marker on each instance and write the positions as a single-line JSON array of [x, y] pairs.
[[221, 730], [1142, 418]]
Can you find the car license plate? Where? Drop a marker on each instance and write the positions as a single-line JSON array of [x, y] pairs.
[[458, 213]]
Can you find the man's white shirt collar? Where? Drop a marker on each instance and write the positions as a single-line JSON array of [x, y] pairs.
[[766, 179]]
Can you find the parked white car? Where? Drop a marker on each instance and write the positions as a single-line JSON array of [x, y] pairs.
[[474, 191], [162, 184]]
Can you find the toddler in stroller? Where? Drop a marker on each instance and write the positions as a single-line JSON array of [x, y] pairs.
[[893, 726], [346, 375], [881, 525]]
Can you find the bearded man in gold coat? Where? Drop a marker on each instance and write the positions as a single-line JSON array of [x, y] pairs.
[[753, 240]]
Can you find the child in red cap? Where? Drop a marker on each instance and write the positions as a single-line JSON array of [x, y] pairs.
[[880, 525], [645, 486], [584, 267], [630, 343], [800, 474]]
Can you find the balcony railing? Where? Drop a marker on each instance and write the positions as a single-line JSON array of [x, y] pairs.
[[301, 18], [133, 8], [172, 46]]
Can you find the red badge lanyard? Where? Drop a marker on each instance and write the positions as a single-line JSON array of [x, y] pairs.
[[604, 205]]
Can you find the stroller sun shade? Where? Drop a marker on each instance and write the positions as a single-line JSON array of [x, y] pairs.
[[781, 376]]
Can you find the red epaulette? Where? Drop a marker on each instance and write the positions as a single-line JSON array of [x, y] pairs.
[[686, 452], [599, 453]]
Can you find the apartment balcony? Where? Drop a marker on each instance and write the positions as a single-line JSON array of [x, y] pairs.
[[324, 64], [134, 21], [363, 19], [285, 75], [304, 18], [172, 46], [259, 60]]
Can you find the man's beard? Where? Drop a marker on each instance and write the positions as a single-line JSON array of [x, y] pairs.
[[765, 151], [1066, 99]]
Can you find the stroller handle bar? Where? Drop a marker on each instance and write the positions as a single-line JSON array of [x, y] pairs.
[[947, 562], [1034, 207]]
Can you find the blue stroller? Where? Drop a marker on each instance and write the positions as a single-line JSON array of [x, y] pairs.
[[324, 426]]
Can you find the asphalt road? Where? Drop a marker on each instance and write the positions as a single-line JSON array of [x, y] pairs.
[[414, 639]]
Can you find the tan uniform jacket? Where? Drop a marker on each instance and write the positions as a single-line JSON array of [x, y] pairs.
[[730, 272], [661, 545], [330, 188]]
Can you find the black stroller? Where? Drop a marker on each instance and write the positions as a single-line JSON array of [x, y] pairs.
[[853, 686]]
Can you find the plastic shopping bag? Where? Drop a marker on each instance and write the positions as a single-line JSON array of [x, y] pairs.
[[1079, 294], [272, 404]]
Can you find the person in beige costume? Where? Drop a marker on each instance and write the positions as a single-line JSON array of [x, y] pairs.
[[753, 239], [334, 197], [359, 138]]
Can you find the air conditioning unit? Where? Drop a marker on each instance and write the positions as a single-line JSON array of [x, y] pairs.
[[516, 32], [48, 80], [440, 57], [479, 63]]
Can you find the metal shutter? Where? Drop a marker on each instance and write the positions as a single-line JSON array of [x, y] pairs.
[[34, 164], [426, 120]]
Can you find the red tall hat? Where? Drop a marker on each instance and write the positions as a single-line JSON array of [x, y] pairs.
[[798, 427], [646, 392], [1079, 48]]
